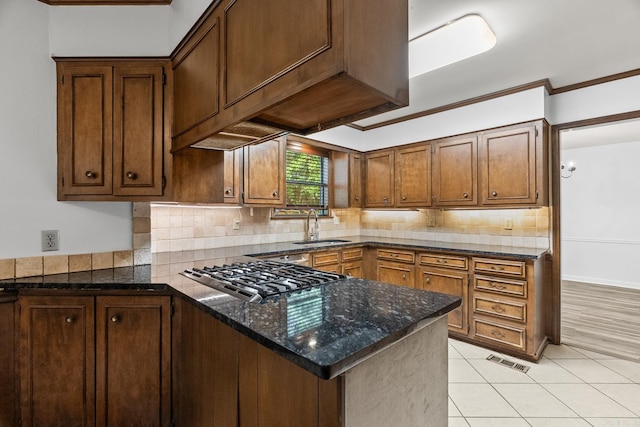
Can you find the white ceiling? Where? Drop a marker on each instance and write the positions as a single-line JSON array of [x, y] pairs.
[[566, 41]]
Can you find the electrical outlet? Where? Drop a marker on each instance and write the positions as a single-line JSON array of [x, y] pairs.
[[50, 240], [432, 221], [336, 220], [508, 224], [236, 224]]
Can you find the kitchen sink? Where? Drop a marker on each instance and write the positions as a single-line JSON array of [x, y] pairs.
[[322, 242]]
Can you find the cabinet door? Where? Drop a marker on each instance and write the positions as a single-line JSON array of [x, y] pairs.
[[264, 173], [355, 180], [138, 131], [379, 169], [353, 269], [196, 70], [396, 274], [455, 174], [508, 166], [57, 373], [133, 366], [232, 176], [85, 129], [453, 283], [8, 403], [413, 176]]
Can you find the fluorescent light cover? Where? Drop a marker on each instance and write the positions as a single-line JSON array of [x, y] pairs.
[[456, 40]]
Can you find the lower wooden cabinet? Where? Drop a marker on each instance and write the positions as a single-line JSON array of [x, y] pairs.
[[100, 361], [452, 282], [8, 394]]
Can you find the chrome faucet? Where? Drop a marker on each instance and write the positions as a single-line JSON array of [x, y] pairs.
[[316, 232]]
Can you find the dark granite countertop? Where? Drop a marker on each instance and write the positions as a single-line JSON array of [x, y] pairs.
[[325, 330]]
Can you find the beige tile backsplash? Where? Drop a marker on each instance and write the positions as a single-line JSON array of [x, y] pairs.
[[176, 228]]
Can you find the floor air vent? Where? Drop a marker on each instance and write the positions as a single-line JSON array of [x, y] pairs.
[[508, 363]]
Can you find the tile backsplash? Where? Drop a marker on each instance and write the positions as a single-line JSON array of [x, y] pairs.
[[176, 227]]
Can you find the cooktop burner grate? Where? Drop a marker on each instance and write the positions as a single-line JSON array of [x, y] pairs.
[[256, 281]]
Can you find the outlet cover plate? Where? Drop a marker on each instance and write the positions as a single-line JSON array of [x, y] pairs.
[[50, 240]]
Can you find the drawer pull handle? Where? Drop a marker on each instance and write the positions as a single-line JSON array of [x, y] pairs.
[[496, 333], [442, 261], [132, 175], [495, 285], [497, 308], [497, 267]]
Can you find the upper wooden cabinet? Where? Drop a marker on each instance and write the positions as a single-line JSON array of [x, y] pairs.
[[111, 117], [380, 175], [345, 188], [413, 176], [455, 171], [512, 166], [264, 173], [249, 69], [233, 162]]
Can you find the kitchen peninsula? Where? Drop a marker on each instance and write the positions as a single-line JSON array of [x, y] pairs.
[[353, 352]]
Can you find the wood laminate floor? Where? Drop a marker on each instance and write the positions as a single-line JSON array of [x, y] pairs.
[[604, 319]]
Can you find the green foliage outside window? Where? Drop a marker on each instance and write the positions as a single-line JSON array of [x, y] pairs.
[[307, 184]]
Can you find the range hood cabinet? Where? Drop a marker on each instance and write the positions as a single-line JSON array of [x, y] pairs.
[[250, 70]]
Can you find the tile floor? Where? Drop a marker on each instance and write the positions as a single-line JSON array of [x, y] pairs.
[[568, 387]]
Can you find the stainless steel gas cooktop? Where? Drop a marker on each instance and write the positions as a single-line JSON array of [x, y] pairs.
[[259, 280]]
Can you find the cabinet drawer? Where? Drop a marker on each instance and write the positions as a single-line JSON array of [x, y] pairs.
[[351, 254], [353, 269], [396, 273], [496, 266], [330, 268], [326, 258], [398, 256], [512, 310], [447, 261], [516, 288], [511, 336]]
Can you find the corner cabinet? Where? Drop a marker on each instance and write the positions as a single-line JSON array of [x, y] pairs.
[[111, 136], [100, 361]]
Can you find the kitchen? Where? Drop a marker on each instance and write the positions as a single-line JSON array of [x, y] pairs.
[[103, 228]]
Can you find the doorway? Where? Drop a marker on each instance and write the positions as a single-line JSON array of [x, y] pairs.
[[599, 198]]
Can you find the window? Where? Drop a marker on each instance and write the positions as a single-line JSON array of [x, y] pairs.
[[307, 176]]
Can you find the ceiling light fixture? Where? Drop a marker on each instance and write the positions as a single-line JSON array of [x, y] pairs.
[[454, 41]]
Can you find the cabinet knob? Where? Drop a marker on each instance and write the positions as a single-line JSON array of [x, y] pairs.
[[132, 175], [465, 195], [494, 193], [90, 174], [404, 197], [275, 194], [427, 279], [357, 198], [227, 191], [70, 319], [404, 276], [115, 318]]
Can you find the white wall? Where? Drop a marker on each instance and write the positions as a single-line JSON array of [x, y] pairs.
[[600, 205], [30, 33]]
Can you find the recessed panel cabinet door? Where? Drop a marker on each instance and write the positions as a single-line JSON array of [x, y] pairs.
[[379, 169], [264, 173], [453, 283], [137, 133], [57, 372], [413, 176], [133, 366], [455, 173], [85, 129], [508, 166]]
